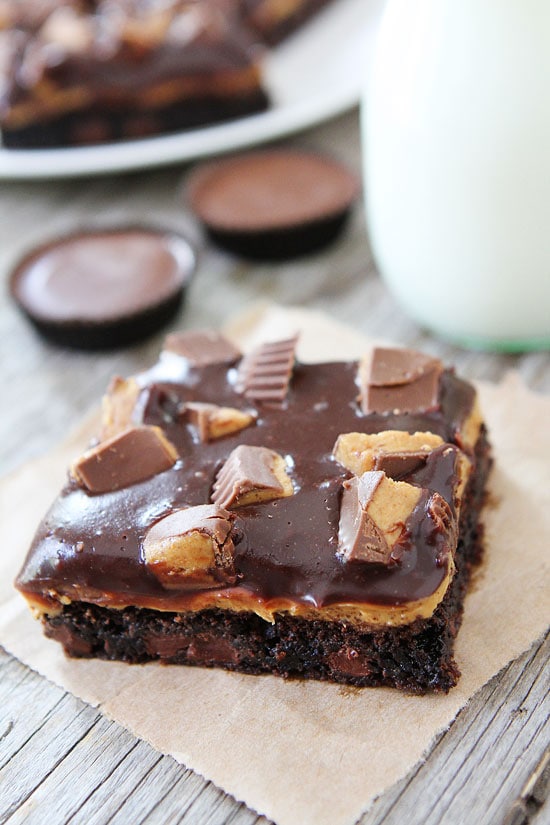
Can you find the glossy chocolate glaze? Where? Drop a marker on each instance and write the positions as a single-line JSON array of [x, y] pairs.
[[283, 548]]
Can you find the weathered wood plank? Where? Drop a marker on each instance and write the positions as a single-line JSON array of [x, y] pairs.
[[46, 746], [93, 772], [90, 761], [478, 767], [106, 795]]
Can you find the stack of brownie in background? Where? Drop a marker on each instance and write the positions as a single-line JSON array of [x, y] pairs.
[[76, 72]]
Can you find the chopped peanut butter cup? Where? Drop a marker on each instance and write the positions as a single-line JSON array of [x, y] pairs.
[[397, 380], [118, 409], [212, 422], [192, 546], [373, 518], [264, 374], [250, 475], [202, 347], [132, 456], [395, 452]]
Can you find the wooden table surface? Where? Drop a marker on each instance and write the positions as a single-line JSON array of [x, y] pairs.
[[62, 761]]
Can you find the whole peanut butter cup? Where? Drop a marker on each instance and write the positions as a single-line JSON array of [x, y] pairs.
[[103, 288], [273, 205]]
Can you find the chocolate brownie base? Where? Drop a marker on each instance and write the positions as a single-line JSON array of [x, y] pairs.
[[416, 658], [100, 126]]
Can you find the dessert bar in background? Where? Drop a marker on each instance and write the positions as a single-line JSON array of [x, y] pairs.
[[90, 71], [259, 514]]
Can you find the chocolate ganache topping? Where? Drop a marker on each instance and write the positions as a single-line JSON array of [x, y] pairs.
[[286, 545]]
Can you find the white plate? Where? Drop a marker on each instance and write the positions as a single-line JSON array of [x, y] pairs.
[[315, 75]]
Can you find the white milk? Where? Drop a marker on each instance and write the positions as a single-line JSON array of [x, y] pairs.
[[457, 166]]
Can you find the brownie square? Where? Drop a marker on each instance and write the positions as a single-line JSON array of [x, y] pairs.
[[267, 516]]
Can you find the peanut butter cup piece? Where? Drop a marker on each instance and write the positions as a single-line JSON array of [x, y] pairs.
[[134, 455], [264, 373], [118, 407], [373, 518], [201, 347], [192, 547], [275, 204], [396, 452], [399, 381], [212, 422], [251, 475], [99, 289]]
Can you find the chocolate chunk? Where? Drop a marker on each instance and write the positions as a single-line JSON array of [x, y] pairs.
[[202, 347], [128, 458], [264, 374], [250, 475], [164, 647], [73, 643], [103, 288], [207, 649], [213, 422], [399, 381], [350, 662], [373, 516], [274, 204], [192, 547]]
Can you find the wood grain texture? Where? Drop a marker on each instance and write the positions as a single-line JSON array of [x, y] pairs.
[[62, 761]]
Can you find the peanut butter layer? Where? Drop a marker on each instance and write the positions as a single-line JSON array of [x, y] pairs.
[[238, 600], [285, 550]]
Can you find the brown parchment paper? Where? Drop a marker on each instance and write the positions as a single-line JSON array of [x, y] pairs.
[[306, 752]]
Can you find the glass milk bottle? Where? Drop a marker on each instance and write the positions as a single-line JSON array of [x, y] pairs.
[[456, 126]]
